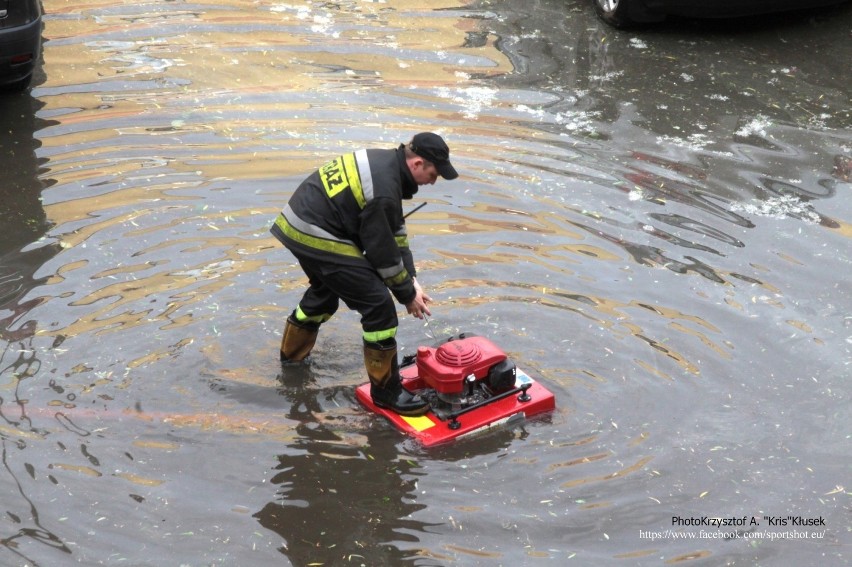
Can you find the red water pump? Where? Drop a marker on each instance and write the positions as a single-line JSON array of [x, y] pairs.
[[457, 369], [471, 386]]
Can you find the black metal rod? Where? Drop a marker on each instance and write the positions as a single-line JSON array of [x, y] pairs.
[[414, 210], [506, 394]]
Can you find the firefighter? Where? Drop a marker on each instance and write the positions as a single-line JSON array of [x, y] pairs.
[[345, 226]]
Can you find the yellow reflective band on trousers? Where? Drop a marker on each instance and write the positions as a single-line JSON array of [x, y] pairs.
[[302, 317], [342, 248], [378, 336]]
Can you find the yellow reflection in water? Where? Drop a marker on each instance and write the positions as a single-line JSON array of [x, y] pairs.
[[140, 480], [88, 471], [624, 471], [223, 91], [607, 313]]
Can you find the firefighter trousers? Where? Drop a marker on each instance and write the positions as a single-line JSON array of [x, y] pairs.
[[361, 289]]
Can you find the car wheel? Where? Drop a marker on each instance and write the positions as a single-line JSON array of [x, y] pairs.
[[18, 86], [623, 13]]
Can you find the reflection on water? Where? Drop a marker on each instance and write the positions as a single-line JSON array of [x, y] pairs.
[[354, 500], [664, 249]]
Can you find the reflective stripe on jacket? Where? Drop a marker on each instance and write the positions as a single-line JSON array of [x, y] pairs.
[[350, 211]]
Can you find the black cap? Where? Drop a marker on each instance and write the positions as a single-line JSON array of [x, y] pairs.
[[432, 147]]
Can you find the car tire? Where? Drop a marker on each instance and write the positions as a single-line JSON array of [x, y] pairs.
[[623, 13], [18, 86]]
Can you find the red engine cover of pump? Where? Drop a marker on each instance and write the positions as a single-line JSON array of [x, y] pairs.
[[445, 368]]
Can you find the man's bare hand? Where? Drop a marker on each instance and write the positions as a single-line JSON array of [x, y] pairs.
[[419, 305]]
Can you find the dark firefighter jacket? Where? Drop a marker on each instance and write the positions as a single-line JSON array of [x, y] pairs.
[[349, 212]]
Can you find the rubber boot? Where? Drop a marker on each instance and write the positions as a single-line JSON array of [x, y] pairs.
[[385, 383], [299, 338]]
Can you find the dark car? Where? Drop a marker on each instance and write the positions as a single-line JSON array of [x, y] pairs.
[[20, 42], [626, 13]]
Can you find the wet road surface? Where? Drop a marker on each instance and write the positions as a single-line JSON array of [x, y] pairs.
[[653, 223]]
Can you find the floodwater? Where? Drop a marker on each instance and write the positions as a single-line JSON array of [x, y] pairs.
[[654, 224]]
